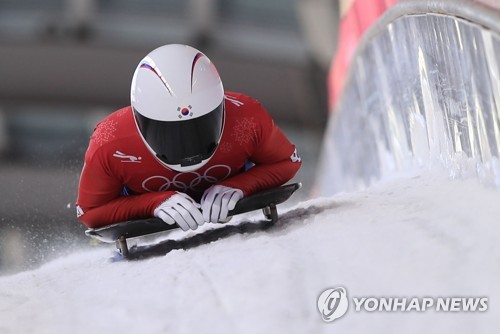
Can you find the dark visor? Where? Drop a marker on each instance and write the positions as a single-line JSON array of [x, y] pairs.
[[184, 143]]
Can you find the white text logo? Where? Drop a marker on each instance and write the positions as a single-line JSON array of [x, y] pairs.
[[440, 304], [333, 304]]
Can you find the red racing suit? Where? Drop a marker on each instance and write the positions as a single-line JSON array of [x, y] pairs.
[[122, 180]]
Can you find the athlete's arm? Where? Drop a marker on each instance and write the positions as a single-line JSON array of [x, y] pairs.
[[99, 200], [275, 157]]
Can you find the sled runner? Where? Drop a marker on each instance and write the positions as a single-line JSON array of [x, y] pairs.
[[120, 232]]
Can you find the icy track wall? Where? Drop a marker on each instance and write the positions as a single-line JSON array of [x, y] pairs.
[[423, 90]]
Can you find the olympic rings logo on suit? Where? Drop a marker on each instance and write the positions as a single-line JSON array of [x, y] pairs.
[[185, 186]]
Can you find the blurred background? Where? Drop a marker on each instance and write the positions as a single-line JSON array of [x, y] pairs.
[[66, 64]]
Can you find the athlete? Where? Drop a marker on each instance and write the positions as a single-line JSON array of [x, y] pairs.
[[184, 151]]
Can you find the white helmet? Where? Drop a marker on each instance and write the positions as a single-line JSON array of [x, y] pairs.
[[178, 102]]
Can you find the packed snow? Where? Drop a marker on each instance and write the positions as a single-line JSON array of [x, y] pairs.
[[420, 235]]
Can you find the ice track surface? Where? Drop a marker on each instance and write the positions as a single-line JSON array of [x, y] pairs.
[[419, 235]]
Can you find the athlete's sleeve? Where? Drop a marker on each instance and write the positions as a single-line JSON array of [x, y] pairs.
[[275, 157], [99, 200]]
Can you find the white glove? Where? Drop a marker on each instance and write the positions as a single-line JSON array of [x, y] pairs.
[[182, 210], [217, 201]]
